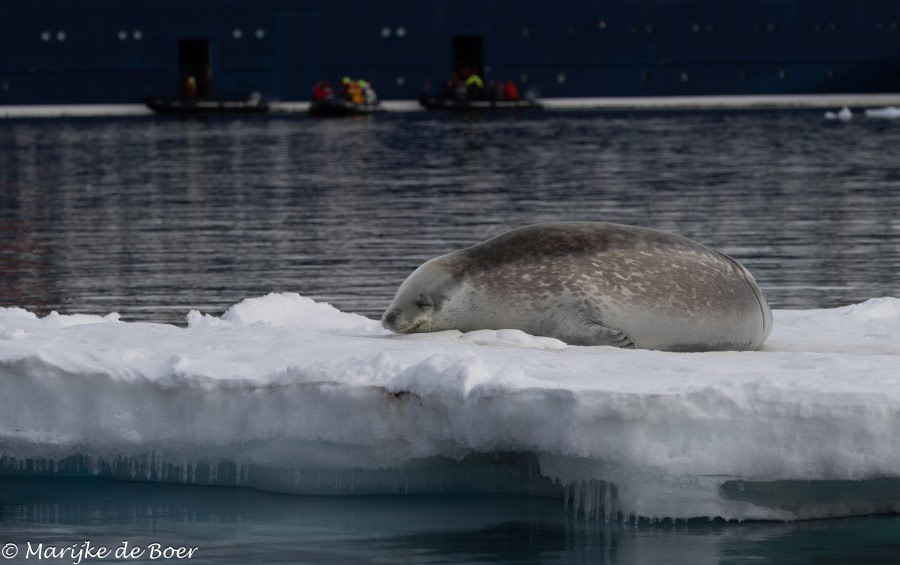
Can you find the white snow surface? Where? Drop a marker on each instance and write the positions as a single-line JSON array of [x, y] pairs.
[[843, 114], [890, 112], [297, 396]]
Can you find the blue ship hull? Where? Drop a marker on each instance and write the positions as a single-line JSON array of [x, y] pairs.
[[109, 51]]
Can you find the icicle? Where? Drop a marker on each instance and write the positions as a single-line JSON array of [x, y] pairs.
[[607, 500], [592, 499]]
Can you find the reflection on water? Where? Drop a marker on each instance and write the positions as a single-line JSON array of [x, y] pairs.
[[230, 525], [153, 217]]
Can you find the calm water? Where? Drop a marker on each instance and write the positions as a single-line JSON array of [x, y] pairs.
[[242, 526], [153, 217]]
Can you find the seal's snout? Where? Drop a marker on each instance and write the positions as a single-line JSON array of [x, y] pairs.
[[389, 319]]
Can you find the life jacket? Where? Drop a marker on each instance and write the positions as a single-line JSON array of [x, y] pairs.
[[476, 80], [318, 92], [355, 93], [512, 93]]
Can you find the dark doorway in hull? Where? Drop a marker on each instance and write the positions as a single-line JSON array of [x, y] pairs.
[[468, 53], [194, 74]]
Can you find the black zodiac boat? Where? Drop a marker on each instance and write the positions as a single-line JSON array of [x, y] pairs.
[[465, 105], [191, 106], [340, 107]]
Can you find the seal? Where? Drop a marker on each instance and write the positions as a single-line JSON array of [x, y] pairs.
[[589, 283]]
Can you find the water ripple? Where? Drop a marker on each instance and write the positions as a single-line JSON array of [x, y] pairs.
[[153, 217]]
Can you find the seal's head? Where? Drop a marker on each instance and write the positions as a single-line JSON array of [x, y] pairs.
[[423, 302]]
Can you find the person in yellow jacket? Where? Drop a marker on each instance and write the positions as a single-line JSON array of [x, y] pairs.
[[351, 90], [474, 86], [355, 93]]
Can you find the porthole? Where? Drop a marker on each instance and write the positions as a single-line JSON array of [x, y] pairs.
[[525, 31], [601, 24], [832, 26], [879, 26], [832, 73], [710, 28], [123, 35], [893, 26], [561, 78], [260, 33], [646, 76], [572, 30], [401, 31], [46, 36], [782, 74], [695, 27], [771, 28], [743, 75], [818, 27], [61, 36], [137, 35], [523, 77], [237, 33], [5, 86], [401, 81], [633, 29], [684, 76], [385, 32], [648, 28]]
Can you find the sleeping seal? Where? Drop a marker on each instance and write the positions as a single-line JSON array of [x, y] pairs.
[[589, 283]]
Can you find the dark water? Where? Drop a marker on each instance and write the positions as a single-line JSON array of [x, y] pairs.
[[153, 217], [242, 526]]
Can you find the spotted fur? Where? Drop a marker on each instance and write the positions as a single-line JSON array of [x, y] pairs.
[[589, 283]]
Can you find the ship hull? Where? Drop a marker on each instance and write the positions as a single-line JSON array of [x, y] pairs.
[[110, 52]]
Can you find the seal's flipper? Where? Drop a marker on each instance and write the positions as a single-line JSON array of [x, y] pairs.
[[603, 335]]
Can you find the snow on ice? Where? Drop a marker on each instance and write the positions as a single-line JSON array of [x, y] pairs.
[[286, 394]]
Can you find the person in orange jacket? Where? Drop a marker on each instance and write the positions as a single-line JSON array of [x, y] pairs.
[[512, 93]]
